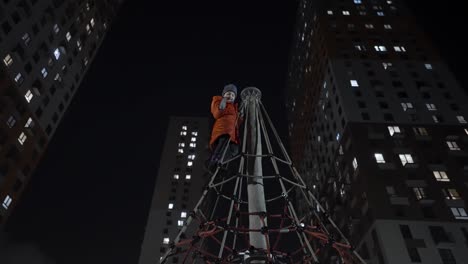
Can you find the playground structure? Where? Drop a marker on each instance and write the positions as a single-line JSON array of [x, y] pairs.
[[246, 213]]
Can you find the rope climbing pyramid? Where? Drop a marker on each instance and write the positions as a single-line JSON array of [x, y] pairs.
[[246, 213]]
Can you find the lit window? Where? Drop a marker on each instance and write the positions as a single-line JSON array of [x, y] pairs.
[[428, 66], [441, 176], [459, 213], [8, 60], [188, 177], [85, 61], [431, 107], [183, 214], [68, 36], [360, 48], [180, 223], [184, 127], [170, 206], [419, 192], [92, 22], [183, 133], [58, 78], [337, 136], [393, 130], [451, 194], [7, 202], [380, 13], [466, 131], [88, 29], [28, 96], [453, 145], [380, 48], [194, 133], [176, 176], [11, 121], [354, 83], [78, 44], [386, 65], [57, 54], [406, 159], [370, 26], [189, 163], [181, 145], [191, 157], [193, 139], [26, 39], [56, 28], [44, 72], [461, 119], [355, 165], [362, 13], [399, 49], [180, 150], [19, 78], [436, 119], [357, 1], [346, 13], [387, 26], [379, 158], [193, 145], [22, 138], [406, 106], [29, 123], [166, 241], [330, 12]]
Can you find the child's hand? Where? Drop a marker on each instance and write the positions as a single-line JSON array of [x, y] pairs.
[[222, 105]]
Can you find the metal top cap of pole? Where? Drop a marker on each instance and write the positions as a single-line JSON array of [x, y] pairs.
[[251, 92]]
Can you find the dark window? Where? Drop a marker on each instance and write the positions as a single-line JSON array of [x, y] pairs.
[[388, 117], [383, 105], [17, 186], [48, 129], [438, 234], [55, 118], [402, 95], [38, 112], [379, 94], [46, 100], [365, 116], [35, 29], [6, 27], [361, 104], [28, 68], [446, 256], [427, 212], [168, 213], [406, 232], [414, 255]]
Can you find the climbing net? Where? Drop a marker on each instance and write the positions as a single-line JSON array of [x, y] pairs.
[[217, 230]]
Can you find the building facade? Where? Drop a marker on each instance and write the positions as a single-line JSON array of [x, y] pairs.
[[378, 128], [46, 48], [179, 185]]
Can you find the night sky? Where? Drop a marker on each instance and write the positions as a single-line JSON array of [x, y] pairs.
[[88, 200]]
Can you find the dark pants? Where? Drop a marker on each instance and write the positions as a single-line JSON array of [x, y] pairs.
[[218, 149]]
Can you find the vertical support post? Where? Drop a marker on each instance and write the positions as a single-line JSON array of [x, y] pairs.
[[255, 190]]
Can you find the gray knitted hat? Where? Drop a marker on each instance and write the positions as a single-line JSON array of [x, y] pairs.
[[230, 87]]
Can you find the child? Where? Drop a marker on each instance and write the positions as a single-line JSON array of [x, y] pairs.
[[225, 129]]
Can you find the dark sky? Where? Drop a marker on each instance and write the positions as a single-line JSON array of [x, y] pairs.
[[88, 200]]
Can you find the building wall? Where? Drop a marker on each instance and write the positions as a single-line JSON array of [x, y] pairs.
[[46, 48], [178, 191], [363, 83]]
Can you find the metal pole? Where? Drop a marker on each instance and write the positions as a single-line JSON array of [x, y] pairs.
[[255, 190]]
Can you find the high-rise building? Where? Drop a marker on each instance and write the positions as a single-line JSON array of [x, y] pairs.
[[378, 128], [46, 48], [179, 184]]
